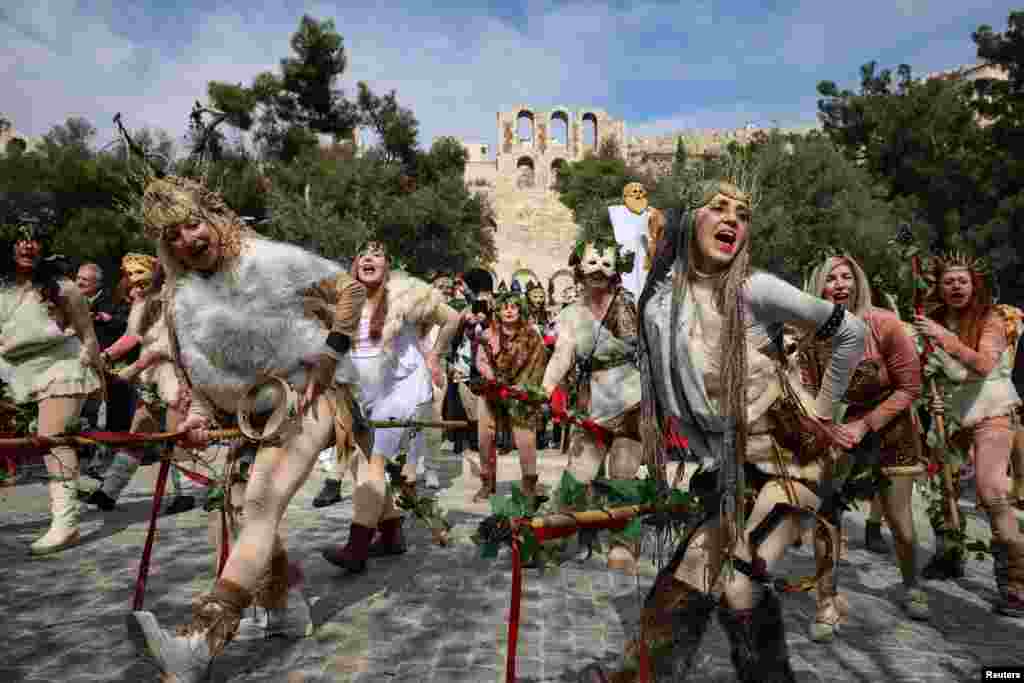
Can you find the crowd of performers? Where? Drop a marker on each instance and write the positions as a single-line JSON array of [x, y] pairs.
[[660, 332]]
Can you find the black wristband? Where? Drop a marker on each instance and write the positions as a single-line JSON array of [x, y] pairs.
[[339, 343], [831, 326]]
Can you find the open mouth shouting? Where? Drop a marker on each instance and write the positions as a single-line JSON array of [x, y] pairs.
[[726, 239], [840, 296]]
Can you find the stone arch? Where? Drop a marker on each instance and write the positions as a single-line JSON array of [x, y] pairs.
[[590, 132], [559, 127], [525, 126], [526, 172], [555, 165]]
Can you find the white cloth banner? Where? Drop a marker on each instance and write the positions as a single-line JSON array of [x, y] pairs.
[[631, 233]]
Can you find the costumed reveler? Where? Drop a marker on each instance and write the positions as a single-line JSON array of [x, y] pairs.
[[879, 424], [49, 345], [713, 373], [598, 335], [511, 352], [252, 323], [539, 318], [460, 402], [394, 383], [153, 373], [976, 342]]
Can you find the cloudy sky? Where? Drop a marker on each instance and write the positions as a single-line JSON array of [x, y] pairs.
[[661, 66]]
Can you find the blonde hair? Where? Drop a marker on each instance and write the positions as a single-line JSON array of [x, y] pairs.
[[816, 282]]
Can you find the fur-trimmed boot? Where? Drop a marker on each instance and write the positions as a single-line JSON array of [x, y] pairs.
[[488, 478], [279, 607], [329, 494], [832, 606], [674, 619], [65, 509], [185, 657], [352, 556], [391, 540], [758, 642]]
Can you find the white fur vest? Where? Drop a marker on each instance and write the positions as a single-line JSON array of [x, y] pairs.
[[237, 324]]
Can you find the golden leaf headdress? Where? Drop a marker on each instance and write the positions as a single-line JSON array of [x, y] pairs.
[[139, 268]]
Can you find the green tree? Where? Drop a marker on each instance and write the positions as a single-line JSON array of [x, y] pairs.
[[292, 108]]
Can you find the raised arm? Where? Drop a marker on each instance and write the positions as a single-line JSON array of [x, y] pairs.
[[774, 301]]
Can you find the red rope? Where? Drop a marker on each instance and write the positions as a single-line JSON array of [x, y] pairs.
[[158, 494], [513, 613]]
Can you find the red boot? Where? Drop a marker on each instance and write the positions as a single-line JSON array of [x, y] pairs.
[[352, 556], [391, 540]]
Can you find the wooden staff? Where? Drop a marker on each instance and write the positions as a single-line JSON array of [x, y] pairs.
[[937, 405]]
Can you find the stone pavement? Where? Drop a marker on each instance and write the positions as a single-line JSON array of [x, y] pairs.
[[439, 614]]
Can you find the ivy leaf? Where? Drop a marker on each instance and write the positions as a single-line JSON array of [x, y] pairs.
[[633, 530], [489, 551], [498, 505], [624, 490], [678, 497], [571, 493], [518, 505], [528, 545]]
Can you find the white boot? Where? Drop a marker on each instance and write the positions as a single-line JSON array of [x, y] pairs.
[[64, 507], [185, 657], [295, 621]]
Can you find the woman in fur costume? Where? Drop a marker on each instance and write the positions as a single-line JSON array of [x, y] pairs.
[[976, 342], [394, 377], [239, 307], [713, 373], [49, 345], [598, 335], [510, 353], [152, 372], [882, 391]]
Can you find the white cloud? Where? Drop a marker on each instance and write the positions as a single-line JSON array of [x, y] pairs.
[[456, 72]]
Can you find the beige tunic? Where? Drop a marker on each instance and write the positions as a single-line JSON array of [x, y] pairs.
[[42, 358]]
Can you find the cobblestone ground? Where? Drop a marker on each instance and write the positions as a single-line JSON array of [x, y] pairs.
[[439, 614]]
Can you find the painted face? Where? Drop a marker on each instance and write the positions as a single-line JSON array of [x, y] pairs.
[[536, 297], [722, 226], [444, 285], [509, 312], [598, 266], [563, 290], [840, 285], [26, 254], [87, 281], [957, 288], [371, 264], [196, 246], [136, 293]]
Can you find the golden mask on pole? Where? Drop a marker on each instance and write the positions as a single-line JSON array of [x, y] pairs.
[[634, 196]]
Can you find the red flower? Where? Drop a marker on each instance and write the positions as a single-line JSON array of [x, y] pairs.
[[503, 393], [933, 468]]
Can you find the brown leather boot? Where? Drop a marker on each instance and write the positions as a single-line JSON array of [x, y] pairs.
[[352, 556], [391, 541], [488, 488], [832, 607], [186, 656]]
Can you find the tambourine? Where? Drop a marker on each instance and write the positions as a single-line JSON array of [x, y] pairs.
[[268, 409]]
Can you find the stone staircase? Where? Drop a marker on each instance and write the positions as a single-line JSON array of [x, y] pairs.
[[535, 230]]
